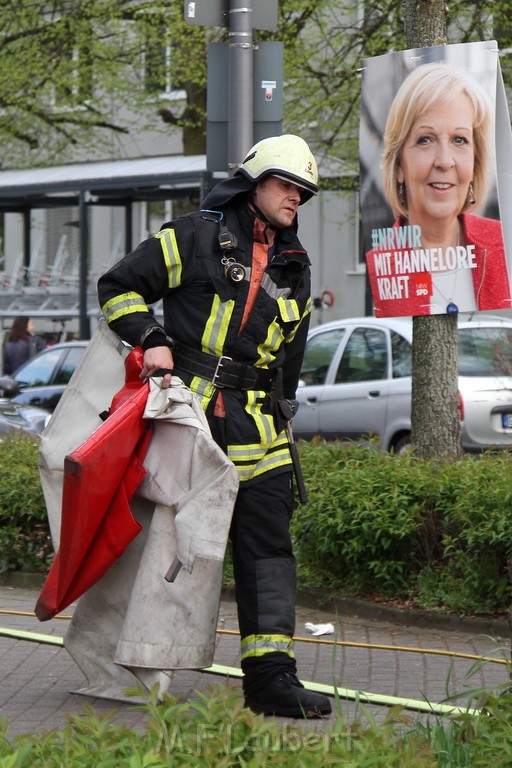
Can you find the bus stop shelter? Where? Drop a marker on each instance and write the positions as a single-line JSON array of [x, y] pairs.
[[107, 183]]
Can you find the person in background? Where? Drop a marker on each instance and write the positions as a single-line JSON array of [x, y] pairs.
[[21, 345]]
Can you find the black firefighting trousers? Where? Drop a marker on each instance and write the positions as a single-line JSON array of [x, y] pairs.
[[263, 561], [264, 568]]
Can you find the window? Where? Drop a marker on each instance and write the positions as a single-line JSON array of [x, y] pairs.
[[318, 356], [401, 352], [157, 57], [365, 357], [160, 69], [76, 71], [485, 352]]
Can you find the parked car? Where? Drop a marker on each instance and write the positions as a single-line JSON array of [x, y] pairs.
[[27, 418], [356, 382], [41, 380]]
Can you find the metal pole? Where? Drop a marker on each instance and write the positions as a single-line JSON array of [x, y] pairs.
[[27, 246], [85, 331], [128, 226], [240, 85]]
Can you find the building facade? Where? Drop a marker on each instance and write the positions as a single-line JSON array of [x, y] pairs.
[[64, 225]]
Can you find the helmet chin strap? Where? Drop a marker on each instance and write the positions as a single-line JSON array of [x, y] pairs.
[[259, 213]]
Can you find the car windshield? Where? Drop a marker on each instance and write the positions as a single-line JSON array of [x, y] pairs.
[[38, 371], [485, 351]]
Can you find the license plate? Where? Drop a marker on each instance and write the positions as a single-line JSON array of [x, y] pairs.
[[506, 420]]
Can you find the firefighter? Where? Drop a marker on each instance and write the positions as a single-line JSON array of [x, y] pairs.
[[235, 285]]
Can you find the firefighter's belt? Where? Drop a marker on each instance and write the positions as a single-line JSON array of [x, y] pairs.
[[221, 371]]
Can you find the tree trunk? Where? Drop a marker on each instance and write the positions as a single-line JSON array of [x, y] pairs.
[[194, 130], [424, 22], [434, 413]]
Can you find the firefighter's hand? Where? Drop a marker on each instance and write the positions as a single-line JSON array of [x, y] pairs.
[[157, 359]]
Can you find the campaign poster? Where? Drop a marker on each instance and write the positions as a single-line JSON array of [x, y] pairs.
[[436, 171]]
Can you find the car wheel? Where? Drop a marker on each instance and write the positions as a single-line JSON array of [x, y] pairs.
[[402, 444]]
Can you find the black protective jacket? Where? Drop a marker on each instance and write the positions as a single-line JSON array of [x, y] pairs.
[[203, 310]]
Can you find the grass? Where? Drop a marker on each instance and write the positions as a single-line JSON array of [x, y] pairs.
[[215, 730]]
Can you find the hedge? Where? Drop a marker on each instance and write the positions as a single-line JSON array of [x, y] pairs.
[[25, 543], [399, 526], [375, 524]]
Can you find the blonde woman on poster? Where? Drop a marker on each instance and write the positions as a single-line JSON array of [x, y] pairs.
[[439, 256]]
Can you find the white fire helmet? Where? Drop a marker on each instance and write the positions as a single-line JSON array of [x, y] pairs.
[[287, 157]]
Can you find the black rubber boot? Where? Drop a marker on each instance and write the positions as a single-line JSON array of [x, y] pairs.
[[285, 696]]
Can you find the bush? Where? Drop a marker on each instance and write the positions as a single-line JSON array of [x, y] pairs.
[[216, 730], [375, 525], [25, 543], [470, 741], [399, 526]]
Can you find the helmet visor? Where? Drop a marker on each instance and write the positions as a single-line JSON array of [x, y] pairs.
[[306, 192]]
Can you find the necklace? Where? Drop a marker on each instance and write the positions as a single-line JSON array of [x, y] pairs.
[[451, 306], [457, 288], [449, 294]]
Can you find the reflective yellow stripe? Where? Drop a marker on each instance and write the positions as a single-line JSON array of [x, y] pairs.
[[203, 390], [264, 421], [255, 450], [259, 645], [307, 311], [288, 312], [270, 462], [291, 335], [172, 256], [254, 460], [214, 336], [288, 309], [124, 304], [271, 344], [250, 460]]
